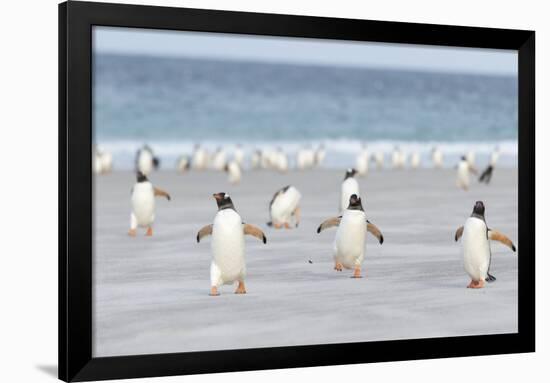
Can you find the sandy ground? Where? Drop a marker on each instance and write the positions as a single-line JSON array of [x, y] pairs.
[[151, 294]]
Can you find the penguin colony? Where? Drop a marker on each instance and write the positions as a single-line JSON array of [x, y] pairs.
[[228, 229]]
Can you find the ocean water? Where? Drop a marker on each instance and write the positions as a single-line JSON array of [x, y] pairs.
[[173, 103]]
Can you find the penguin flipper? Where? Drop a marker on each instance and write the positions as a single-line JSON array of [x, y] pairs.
[[254, 231], [498, 236], [371, 228], [205, 231], [161, 193], [331, 222], [458, 233]]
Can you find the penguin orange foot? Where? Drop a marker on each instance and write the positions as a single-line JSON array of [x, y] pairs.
[[476, 284], [277, 225], [287, 226], [149, 231], [357, 273], [214, 291], [132, 232], [240, 289], [338, 266]]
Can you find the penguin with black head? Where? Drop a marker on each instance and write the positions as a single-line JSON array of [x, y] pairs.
[[476, 248]]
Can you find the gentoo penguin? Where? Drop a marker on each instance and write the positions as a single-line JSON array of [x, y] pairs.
[[349, 186], [471, 158], [463, 173], [146, 160], [362, 161], [281, 160], [284, 206], [305, 158], [398, 158], [143, 204], [437, 158], [200, 158], [320, 155], [349, 244], [476, 248], [256, 159], [228, 230], [183, 164], [97, 165], [488, 172], [234, 172], [415, 160], [378, 158], [218, 159], [238, 156]]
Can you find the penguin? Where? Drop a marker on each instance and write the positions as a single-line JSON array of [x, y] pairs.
[[228, 231], [143, 204], [238, 156], [415, 160], [320, 155], [146, 160], [281, 161], [200, 158], [398, 158], [349, 244], [463, 173], [234, 172], [183, 164], [471, 158], [487, 174], [378, 159], [476, 248], [495, 155], [256, 159], [218, 159], [349, 186], [97, 165], [437, 158], [362, 162], [284, 206]]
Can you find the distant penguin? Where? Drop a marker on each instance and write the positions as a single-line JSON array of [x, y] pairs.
[[228, 231], [320, 155], [463, 173], [378, 158], [234, 172], [349, 186], [183, 164], [398, 158], [495, 155], [437, 158], [144, 161], [238, 156], [218, 159], [97, 165], [476, 248], [362, 161], [256, 159], [415, 160], [105, 161], [281, 161], [143, 204], [349, 244], [471, 158], [284, 207], [199, 160]]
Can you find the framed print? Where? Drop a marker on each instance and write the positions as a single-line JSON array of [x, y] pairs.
[[245, 191]]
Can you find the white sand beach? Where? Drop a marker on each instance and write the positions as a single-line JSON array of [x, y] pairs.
[[151, 294]]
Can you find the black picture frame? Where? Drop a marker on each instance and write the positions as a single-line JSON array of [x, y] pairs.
[[75, 190]]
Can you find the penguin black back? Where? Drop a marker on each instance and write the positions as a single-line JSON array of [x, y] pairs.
[[140, 177]]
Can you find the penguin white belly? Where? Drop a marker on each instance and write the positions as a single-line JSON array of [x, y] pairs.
[[234, 172], [349, 245], [477, 253], [228, 264], [145, 162], [438, 159], [362, 163], [463, 175], [284, 205], [143, 203], [349, 186]]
